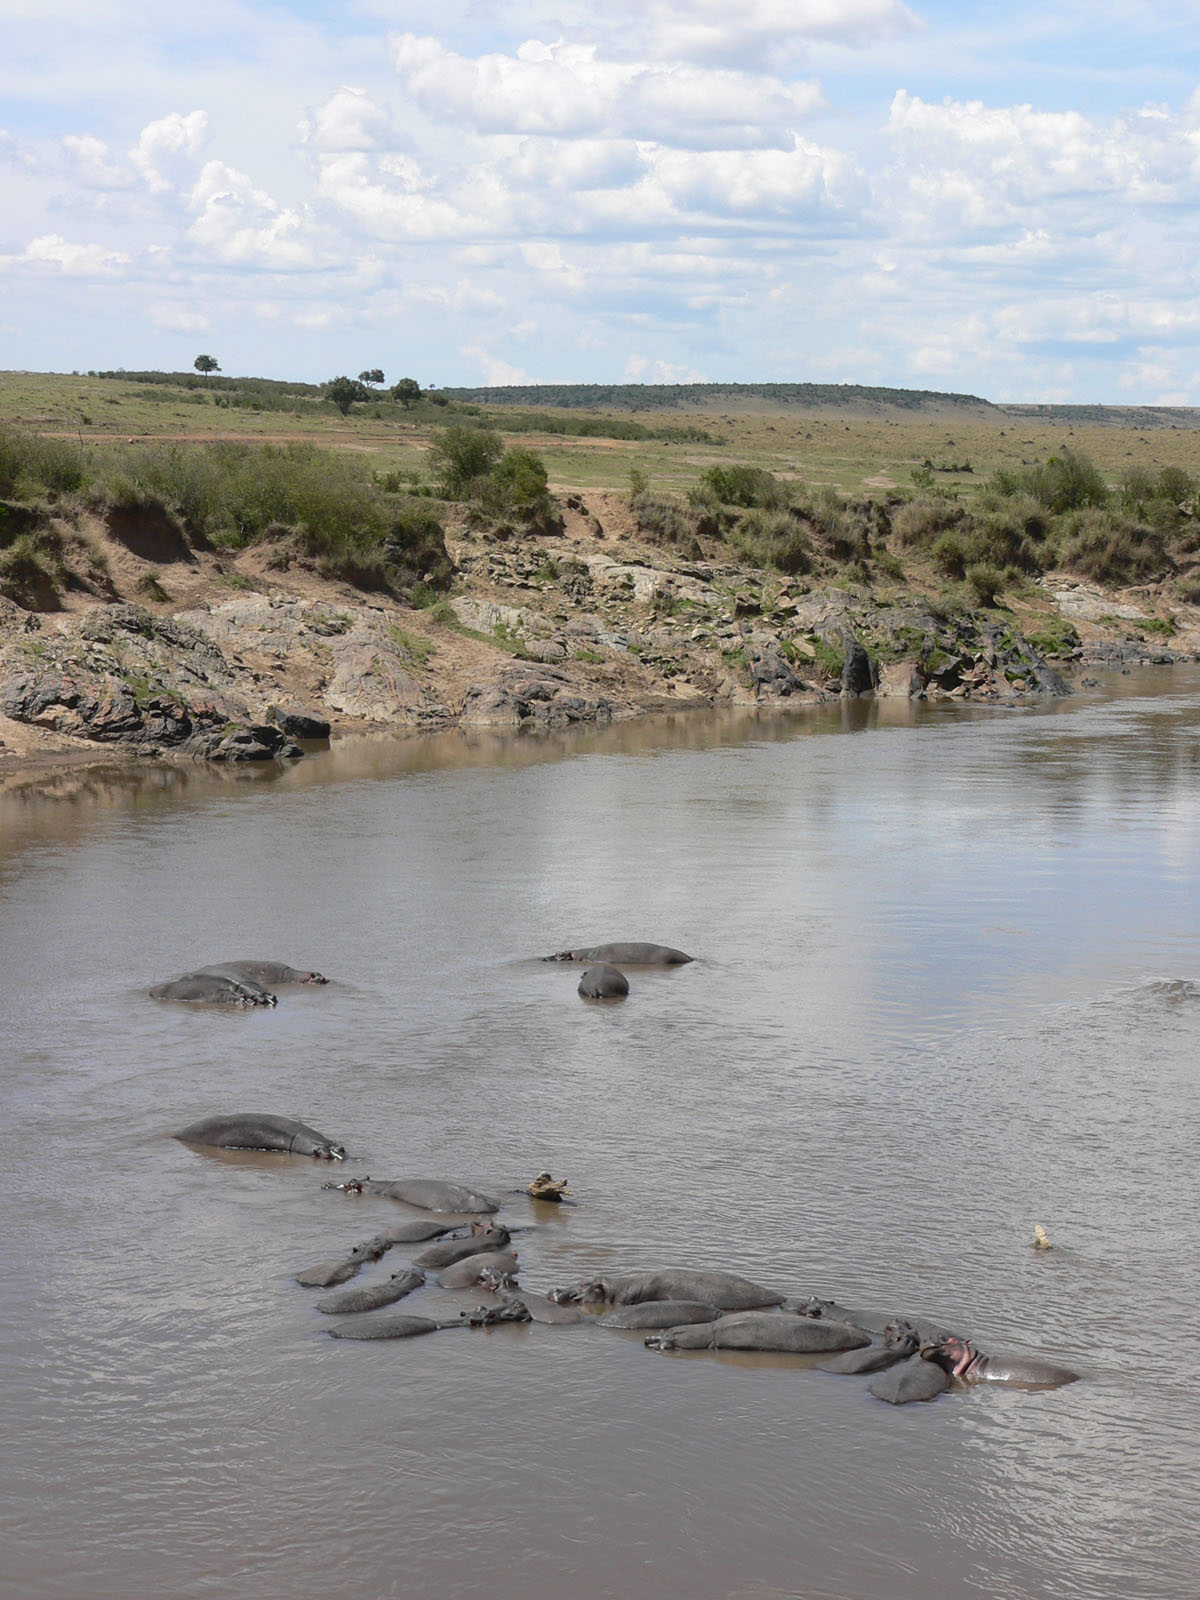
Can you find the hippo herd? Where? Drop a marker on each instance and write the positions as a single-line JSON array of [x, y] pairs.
[[677, 1308], [252, 983]]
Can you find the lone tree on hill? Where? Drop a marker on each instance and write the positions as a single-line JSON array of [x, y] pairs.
[[371, 375], [206, 364], [406, 391], [344, 392]]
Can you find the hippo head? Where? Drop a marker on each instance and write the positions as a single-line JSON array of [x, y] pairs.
[[953, 1354], [497, 1281], [901, 1335], [588, 1291], [312, 977], [484, 1225], [333, 1152]]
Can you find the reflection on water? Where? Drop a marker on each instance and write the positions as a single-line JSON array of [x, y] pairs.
[[945, 990]]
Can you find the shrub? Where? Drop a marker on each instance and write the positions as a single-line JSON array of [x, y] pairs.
[[744, 486], [661, 521], [773, 538], [984, 582], [31, 464], [1067, 483], [1110, 550], [461, 454], [920, 522], [521, 479], [950, 555]]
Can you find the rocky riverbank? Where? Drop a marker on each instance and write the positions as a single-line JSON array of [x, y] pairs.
[[162, 650]]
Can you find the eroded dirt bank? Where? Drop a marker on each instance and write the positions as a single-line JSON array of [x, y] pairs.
[[160, 650]]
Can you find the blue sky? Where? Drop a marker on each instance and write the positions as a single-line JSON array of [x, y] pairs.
[[999, 199]]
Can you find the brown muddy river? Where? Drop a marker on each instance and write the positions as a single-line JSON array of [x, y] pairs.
[[947, 987]]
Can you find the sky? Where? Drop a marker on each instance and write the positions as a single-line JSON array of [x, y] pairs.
[[1000, 199]]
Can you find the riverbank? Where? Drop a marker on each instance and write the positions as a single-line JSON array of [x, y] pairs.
[[184, 651]]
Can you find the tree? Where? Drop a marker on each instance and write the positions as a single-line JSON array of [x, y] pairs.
[[406, 391], [206, 364], [344, 392], [521, 478], [371, 375], [460, 454]]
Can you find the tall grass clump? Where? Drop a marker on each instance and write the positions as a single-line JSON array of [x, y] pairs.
[[32, 465], [773, 539], [1110, 549]]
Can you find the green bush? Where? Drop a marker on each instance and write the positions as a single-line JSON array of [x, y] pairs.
[[1110, 550], [920, 522], [984, 582], [661, 521], [745, 486], [775, 539], [460, 455], [31, 464]]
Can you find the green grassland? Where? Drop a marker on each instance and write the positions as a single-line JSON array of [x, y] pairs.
[[874, 450]]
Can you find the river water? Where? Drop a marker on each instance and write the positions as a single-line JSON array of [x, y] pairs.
[[947, 987]]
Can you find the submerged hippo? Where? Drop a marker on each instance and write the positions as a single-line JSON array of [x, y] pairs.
[[659, 1314], [900, 1340], [725, 1290], [959, 1358], [624, 955], [497, 1265], [252, 1130], [213, 989], [761, 1330], [370, 1296], [398, 1326], [482, 1238], [429, 1194], [913, 1379], [267, 974], [603, 983], [541, 1309]]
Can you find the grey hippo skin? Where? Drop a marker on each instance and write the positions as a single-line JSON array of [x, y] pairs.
[[268, 974], [398, 1326], [431, 1194], [914, 1379], [659, 1314], [960, 1359], [482, 1237], [469, 1271], [541, 1309], [761, 1330], [899, 1342], [630, 954], [603, 983], [211, 989], [370, 1296], [725, 1290], [254, 1130]]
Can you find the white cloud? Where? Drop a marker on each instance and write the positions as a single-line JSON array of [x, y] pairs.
[[161, 144], [638, 369], [178, 319], [566, 91], [758, 31], [242, 226], [496, 373], [74, 260], [349, 120]]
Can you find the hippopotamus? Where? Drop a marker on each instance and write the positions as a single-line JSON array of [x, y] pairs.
[[914, 1379], [430, 1194], [482, 1237], [467, 1272], [213, 989], [267, 974], [659, 1314], [959, 1358], [871, 1322], [725, 1290], [900, 1340], [761, 1330], [407, 1232], [253, 1130], [542, 1309], [624, 955], [327, 1273], [370, 1296], [603, 983], [398, 1326]]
